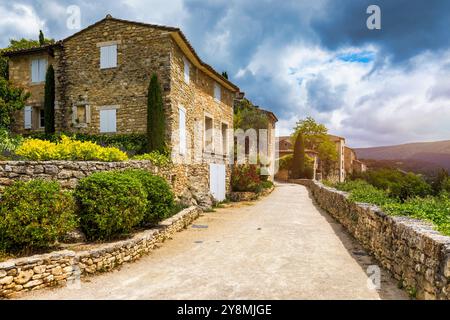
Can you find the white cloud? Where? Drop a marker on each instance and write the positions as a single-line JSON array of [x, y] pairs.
[[20, 20], [164, 12]]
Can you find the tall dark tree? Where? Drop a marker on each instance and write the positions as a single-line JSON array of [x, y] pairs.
[[225, 75], [156, 120], [298, 162], [41, 38], [49, 101]]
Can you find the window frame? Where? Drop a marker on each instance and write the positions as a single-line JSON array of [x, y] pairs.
[[186, 67], [207, 115]]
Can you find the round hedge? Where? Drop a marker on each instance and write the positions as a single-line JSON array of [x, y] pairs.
[[159, 196], [110, 204], [35, 214]]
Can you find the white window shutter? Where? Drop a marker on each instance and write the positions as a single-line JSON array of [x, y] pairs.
[[186, 70], [182, 129], [108, 56], [27, 117], [108, 121], [35, 70], [42, 69], [217, 92]]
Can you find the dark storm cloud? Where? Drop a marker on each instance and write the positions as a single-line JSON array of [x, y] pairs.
[[408, 27], [322, 96]]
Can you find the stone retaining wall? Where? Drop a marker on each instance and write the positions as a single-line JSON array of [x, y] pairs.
[[67, 267], [415, 254], [190, 182]]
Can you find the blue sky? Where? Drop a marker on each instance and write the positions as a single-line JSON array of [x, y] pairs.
[[300, 58]]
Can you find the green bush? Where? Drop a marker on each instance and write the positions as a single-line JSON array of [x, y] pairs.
[[160, 197], [398, 184], [110, 204], [361, 191], [157, 158], [35, 214], [433, 209], [245, 178]]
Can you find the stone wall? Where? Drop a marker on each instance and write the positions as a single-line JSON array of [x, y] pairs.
[[190, 182], [415, 254], [67, 267]]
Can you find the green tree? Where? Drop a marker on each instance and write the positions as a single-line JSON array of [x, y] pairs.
[[49, 101], [225, 75], [298, 161], [316, 138], [156, 120], [247, 116], [11, 100]]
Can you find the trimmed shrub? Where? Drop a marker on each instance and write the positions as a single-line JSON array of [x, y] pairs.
[[132, 144], [110, 204], [156, 119], [298, 161], [35, 214], [68, 149], [49, 101], [160, 197]]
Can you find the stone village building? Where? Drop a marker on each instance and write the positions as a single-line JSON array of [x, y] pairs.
[[346, 164], [102, 75]]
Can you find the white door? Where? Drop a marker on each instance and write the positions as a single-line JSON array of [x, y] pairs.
[[217, 181]]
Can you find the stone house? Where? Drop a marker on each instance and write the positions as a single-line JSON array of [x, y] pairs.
[[102, 75]]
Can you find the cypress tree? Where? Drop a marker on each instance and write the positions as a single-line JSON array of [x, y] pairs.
[[41, 38], [49, 101], [298, 161], [156, 120]]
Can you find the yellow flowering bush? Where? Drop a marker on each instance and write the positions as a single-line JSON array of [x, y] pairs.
[[68, 149]]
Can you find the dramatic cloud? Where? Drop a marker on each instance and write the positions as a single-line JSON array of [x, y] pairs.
[[300, 58]]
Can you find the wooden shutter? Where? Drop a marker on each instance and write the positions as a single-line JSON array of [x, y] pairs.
[[42, 69], [108, 120], [186, 70], [108, 56], [182, 129], [27, 117], [35, 70]]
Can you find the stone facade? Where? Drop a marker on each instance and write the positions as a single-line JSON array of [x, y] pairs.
[[67, 267], [190, 182], [83, 89], [416, 255]]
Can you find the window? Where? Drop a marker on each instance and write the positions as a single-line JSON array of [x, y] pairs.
[[108, 56], [182, 129], [27, 117], [208, 134], [81, 115], [186, 70], [224, 138], [38, 70], [217, 92], [41, 118], [108, 120]]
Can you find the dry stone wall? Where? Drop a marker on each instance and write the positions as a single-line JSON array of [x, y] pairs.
[[68, 267], [190, 182], [415, 254]]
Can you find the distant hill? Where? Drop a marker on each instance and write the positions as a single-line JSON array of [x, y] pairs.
[[421, 157]]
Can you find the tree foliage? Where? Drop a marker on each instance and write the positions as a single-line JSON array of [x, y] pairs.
[[11, 100], [156, 120], [316, 138], [49, 101], [247, 116]]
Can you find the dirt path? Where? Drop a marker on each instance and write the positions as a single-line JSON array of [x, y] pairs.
[[281, 247]]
